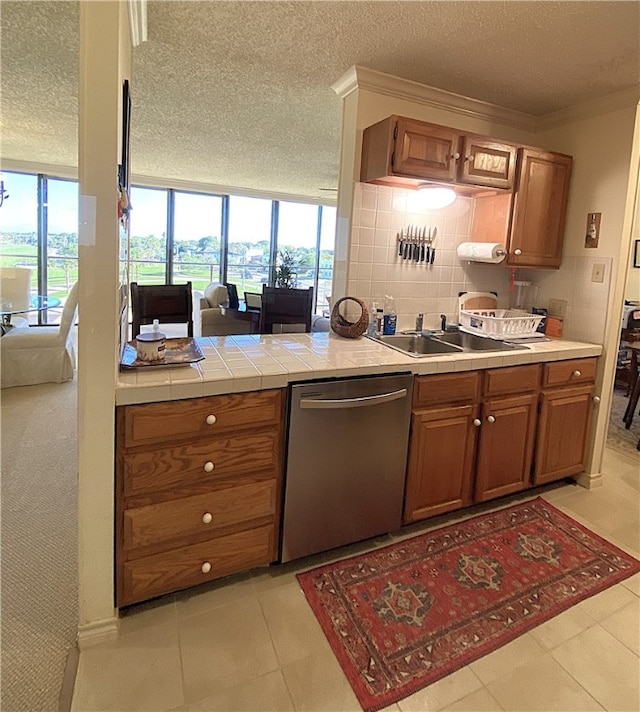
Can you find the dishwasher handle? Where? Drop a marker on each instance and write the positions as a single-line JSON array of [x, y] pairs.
[[360, 402]]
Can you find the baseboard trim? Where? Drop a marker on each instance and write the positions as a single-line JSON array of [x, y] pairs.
[[97, 632], [589, 480]]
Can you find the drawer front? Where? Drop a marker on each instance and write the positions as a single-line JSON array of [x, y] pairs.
[[447, 388], [165, 522], [516, 379], [199, 417], [160, 469], [572, 372], [180, 568]]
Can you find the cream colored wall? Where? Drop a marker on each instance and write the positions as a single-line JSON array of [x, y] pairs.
[[605, 174], [105, 59]]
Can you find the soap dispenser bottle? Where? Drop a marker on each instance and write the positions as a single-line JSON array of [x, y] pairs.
[[390, 316]]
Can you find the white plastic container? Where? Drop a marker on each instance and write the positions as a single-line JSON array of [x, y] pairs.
[[499, 323]]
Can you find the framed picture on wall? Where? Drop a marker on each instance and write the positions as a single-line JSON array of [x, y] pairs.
[[123, 168], [636, 253]]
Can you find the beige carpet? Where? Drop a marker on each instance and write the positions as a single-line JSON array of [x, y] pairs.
[[39, 586], [620, 439]]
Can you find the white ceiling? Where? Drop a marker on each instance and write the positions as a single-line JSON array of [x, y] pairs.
[[239, 93]]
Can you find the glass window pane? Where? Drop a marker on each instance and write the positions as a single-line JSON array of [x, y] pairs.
[[62, 236], [197, 231], [298, 235], [148, 241], [249, 243], [325, 264], [19, 223]]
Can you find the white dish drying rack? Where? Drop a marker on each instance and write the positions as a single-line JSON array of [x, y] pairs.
[[506, 324]]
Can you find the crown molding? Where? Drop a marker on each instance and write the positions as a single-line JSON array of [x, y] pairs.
[[370, 80], [623, 99]]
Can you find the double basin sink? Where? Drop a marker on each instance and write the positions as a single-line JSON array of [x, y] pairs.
[[419, 345]]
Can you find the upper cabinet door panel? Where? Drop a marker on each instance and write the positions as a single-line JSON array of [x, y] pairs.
[[426, 150], [539, 209], [489, 163]]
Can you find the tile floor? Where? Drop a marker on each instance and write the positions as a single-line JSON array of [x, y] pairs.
[[252, 642]]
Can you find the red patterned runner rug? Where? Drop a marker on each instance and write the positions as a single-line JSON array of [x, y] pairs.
[[408, 614]]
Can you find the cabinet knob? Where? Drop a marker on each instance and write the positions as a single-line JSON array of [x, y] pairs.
[[469, 158], [491, 419], [577, 374], [211, 419], [207, 518], [596, 399], [455, 156], [517, 252], [477, 422], [206, 567], [209, 466]]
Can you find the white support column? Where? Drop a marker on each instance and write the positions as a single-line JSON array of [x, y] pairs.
[[105, 59]]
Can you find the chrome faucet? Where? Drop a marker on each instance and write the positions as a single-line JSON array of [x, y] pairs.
[[419, 321], [443, 322]]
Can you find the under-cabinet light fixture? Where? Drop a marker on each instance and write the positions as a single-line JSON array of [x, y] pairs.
[[433, 197]]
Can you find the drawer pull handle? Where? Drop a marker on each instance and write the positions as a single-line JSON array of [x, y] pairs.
[[477, 422], [491, 419], [517, 252], [207, 518], [211, 419], [596, 399], [209, 466], [577, 374], [206, 567]]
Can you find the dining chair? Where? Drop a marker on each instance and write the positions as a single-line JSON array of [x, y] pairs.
[[40, 354], [286, 308], [168, 303], [253, 300]]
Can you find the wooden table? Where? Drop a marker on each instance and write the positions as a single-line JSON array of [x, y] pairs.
[[634, 396], [244, 314]]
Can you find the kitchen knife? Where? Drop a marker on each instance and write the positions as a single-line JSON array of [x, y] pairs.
[[433, 249], [428, 246], [399, 237], [416, 255]]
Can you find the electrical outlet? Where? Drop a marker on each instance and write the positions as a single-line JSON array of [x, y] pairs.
[[558, 307], [597, 275]]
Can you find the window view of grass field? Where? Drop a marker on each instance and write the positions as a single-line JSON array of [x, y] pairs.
[[175, 236]]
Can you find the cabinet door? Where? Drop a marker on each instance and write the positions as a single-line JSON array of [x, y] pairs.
[[487, 163], [440, 468], [565, 419], [505, 448], [425, 151], [539, 209]]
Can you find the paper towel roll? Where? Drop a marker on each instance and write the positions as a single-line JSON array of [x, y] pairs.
[[492, 252]]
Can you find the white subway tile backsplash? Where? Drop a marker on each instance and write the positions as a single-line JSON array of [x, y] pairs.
[[366, 235], [367, 218]]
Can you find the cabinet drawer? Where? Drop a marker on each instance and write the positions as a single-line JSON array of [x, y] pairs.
[[155, 524], [448, 388], [563, 373], [160, 469], [516, 379], [180, 568], [198, 417]]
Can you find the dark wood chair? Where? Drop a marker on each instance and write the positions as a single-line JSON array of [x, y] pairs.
[[168, 303], [285, 306]]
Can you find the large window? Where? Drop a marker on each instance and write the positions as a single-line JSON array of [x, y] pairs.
[[175, 236]]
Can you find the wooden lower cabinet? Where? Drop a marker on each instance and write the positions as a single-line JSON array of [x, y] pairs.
[[480, 435], [198, 490], [505, 449]]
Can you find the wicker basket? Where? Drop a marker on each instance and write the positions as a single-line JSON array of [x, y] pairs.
[[348, 329]]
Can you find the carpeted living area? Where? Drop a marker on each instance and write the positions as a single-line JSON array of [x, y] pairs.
[[39, 542], [405, 615]]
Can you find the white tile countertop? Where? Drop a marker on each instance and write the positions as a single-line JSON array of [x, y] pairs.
[[250, 362]]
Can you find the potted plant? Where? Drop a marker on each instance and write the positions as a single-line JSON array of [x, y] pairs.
[[286, 274]]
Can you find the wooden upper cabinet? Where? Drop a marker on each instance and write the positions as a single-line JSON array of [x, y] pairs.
[[539, 209], [400, 151], [486, 162], [425, 150]]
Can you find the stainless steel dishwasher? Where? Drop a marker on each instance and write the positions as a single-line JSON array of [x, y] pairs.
[[346, 459]]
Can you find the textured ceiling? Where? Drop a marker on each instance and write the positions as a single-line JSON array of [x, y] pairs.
[[239, 93]]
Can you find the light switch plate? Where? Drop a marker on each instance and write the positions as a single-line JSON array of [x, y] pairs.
[[558, 307], [597, 275]]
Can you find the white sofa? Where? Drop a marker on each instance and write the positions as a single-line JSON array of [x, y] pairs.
[[212, 321]]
